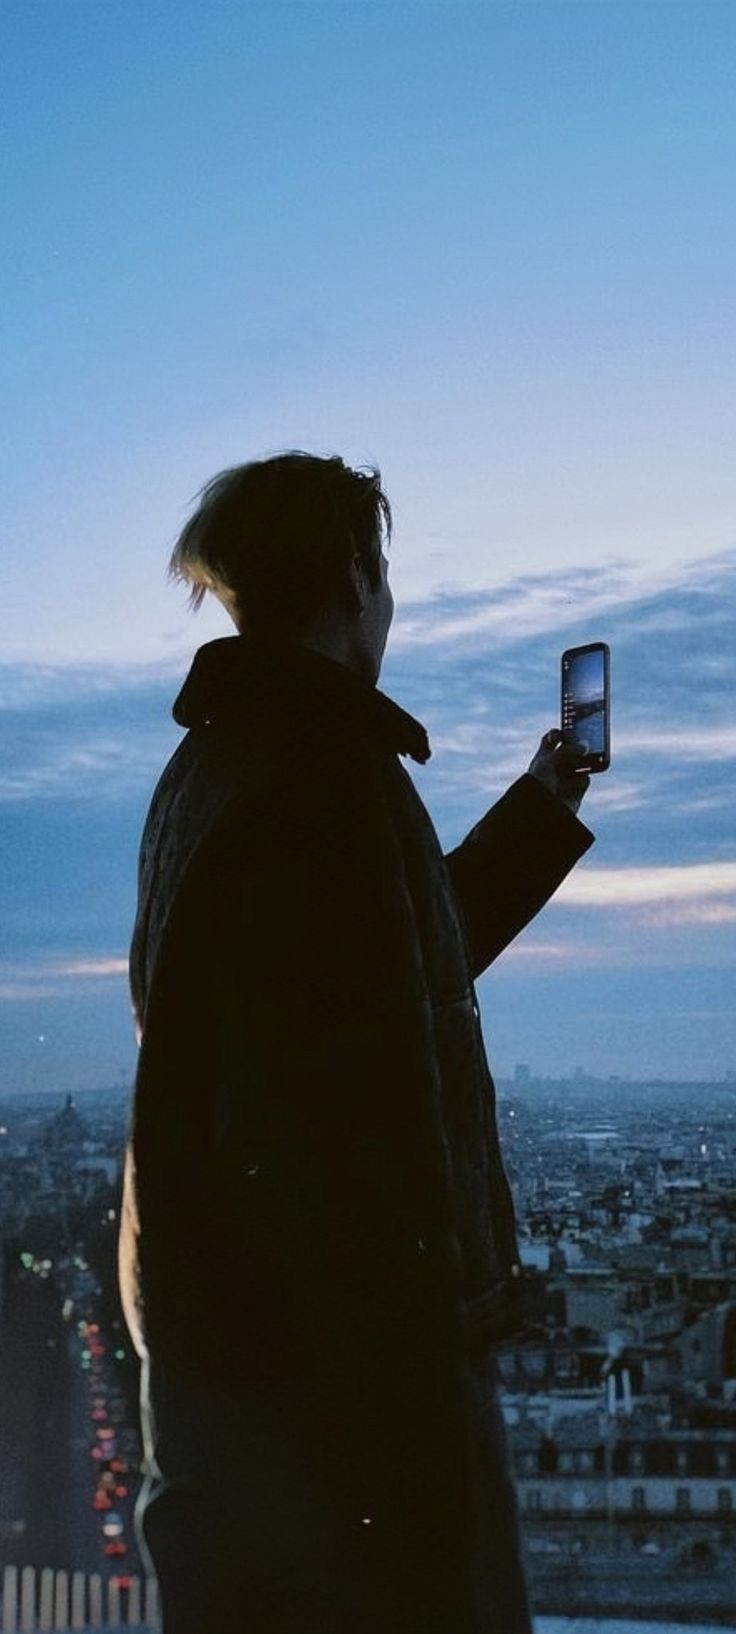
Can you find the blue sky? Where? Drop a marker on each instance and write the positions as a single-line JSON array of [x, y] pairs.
[[490, 247]]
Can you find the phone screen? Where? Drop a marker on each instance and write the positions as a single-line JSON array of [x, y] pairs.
[[585, 700]]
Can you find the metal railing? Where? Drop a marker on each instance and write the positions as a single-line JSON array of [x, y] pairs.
[[45, 1601], [32, 1601]]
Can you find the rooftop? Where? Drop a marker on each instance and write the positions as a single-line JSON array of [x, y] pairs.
[[542, 1625], [617, 1625]]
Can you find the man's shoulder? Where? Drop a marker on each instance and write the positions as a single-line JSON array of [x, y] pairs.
[[232, 783]]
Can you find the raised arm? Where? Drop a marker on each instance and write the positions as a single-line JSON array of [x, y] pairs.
[[511, 863]]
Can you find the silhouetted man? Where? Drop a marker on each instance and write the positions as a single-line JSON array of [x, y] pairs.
[[317, 1247]]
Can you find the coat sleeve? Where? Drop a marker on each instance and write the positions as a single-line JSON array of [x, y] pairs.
[[511, 863]]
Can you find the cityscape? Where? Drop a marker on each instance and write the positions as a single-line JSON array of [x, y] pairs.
[[484, 248], [619, 1395]]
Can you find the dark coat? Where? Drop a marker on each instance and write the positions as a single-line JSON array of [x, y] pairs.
[[315, 1207]]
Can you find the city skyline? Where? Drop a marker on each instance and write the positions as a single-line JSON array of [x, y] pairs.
[[489, 249], [617, 1392]]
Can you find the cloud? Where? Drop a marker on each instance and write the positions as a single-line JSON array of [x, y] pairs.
[[25, 686], [84, 744], [695, 913], [93, 766], [631, 887], [53, 978], [12, 992], [538, 950], [83, 732], [94, 967], [704, 743], [671, 789], [620, 795], [527, 957], [481, 668], [542, 604]]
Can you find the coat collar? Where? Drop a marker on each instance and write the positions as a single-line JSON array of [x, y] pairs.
[[235, 678]]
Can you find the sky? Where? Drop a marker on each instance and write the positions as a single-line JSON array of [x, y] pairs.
[[489, 247]]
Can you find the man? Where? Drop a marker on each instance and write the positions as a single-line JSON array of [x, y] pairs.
[[317, 1246]]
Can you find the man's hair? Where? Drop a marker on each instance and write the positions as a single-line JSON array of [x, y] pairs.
[[275, 537]]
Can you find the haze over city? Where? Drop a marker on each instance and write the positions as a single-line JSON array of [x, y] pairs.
[[490, 248]]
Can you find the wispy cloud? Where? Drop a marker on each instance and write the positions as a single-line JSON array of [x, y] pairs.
[[693, 913], [704, 743], [94, 967], [480, 665], [15, 992], [541, 604], [528, 951], [52, 978], [25, 686], [82, 733], [62, 768], [531, 957], [620, 795], [628, 887]]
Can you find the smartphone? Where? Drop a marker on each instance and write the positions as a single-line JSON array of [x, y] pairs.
[[586, 702]]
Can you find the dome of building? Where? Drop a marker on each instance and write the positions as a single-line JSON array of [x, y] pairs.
[[66, 1129]]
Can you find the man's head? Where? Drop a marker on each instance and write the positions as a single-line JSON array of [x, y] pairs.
[[293, 547]]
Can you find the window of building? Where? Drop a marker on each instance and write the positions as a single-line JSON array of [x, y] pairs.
[[586, 1460], [636, 1457], [682, 1499], [566, 1462], [534, 1498], [725, 1500], [722, 1460], [638, 1498], [681, 1459]]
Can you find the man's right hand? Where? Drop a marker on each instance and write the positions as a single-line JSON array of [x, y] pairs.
[[556, 764]]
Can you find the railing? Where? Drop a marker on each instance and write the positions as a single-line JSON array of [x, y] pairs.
[[33, 1601]]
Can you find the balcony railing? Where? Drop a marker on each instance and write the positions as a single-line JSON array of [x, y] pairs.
[[32, 1601]]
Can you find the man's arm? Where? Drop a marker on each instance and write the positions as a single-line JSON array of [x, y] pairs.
[[511, 863]]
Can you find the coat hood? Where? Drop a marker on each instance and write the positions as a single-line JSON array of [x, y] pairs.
[[234, 678]]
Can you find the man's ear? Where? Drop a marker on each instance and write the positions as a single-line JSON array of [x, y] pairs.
[[357, 584]]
